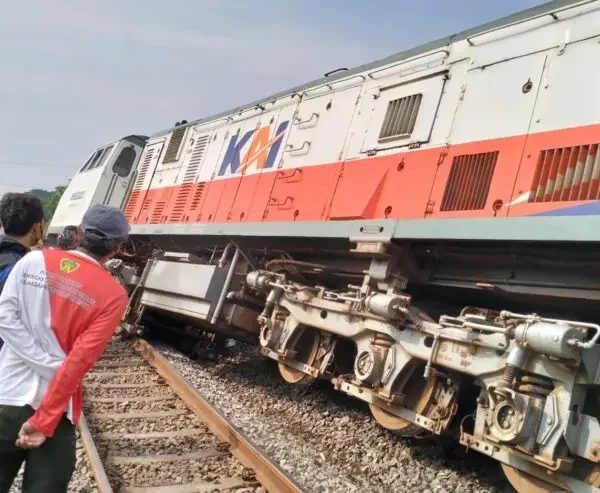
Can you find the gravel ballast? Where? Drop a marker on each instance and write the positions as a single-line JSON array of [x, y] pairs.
[[327, 441]]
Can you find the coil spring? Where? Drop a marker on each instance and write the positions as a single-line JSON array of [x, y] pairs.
[[506, 384], [535, 386]]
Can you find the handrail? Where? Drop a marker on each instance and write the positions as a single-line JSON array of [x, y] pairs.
[[522, 21]]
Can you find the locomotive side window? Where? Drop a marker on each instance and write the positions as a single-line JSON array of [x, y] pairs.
[[90, 162], [122, 165], [400, 118], [99, 162]]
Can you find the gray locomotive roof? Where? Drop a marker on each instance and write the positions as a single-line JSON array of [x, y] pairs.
[[433, 45]]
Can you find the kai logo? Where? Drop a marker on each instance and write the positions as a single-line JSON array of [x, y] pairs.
[[261, 154], [68, 266]]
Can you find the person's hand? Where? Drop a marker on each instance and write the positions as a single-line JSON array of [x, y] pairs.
[[29, 437]]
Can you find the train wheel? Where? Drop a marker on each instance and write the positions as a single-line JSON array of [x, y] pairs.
[[307, 352], [526, 483], [420, 397], [523, 482]]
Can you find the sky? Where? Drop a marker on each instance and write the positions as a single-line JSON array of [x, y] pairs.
[[77, 74]]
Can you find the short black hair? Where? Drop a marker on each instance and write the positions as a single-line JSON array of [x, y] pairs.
[[70, 229], [19, 212], [68, 239], [98, 244]]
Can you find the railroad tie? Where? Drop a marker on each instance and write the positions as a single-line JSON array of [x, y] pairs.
[[141, 415], [148, 459], [218, 485], [126, 385], [150, 398], [190, 432]]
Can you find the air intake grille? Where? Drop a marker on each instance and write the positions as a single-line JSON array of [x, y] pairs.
[[400, 117], [180, 202], [174, 145], [196, 199], [469, 182], [143, 172], [157, 213], [196, 159], [136, 193], [568, 173]]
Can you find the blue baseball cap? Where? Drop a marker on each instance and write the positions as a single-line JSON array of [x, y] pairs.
[[109, 222]]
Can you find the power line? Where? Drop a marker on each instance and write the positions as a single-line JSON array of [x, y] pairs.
[[47, 165], [25, 187]]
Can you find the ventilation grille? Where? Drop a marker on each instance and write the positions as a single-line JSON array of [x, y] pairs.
[[131, 205], [143, 172], [145, 209], [157, 213], [174, 145], [469, 182], [569, 173], [400, 117], [187, 188], [196, 159], [180, 201], [197, 198]]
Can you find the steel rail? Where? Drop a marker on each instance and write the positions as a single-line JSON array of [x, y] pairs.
[[95, 462], [267, 473]]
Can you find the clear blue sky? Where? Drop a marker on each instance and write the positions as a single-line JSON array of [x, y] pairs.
[[78, 73]]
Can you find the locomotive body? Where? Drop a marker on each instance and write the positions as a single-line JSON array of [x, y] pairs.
[[396, 229]]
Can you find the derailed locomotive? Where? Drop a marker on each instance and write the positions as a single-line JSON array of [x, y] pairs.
[[421, 231]]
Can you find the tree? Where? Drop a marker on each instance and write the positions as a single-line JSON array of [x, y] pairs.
[[50, 199], [54, 199]]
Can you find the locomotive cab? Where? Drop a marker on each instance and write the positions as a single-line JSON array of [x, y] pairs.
[[105, 178]]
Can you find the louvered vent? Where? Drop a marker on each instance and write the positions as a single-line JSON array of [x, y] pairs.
[[469, 182], [179, 208], [136, 193], [174, 145], [568, 173], [197, 196], [157, 213], [196, 159], [143, 171], [400, 117], [131, 205], [187, 187]]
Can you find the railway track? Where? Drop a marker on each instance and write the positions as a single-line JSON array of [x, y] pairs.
[[146, 430]]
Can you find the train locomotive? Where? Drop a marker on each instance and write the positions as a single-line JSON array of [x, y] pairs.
[[421, 231]]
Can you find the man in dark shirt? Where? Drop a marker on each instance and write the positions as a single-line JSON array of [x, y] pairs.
[[22, 218], [69, 239]]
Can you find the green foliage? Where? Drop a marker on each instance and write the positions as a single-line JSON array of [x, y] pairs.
[[42, 194], [54, 199], [50, 199]]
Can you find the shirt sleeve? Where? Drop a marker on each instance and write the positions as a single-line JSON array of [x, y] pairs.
[[16, 335], [86, 350]]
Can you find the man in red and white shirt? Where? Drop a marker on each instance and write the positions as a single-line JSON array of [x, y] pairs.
[[58, 311]]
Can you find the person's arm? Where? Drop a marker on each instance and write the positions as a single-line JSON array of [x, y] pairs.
[[87, 349], [16, 335]]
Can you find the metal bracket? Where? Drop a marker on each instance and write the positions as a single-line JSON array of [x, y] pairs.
[[443, 154], [309, 370]]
